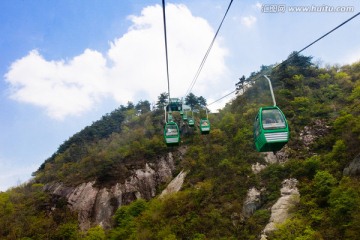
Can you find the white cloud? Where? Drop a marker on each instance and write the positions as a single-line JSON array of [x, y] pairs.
[[258, 5], [62, 88], [134, 64], [248, 21]]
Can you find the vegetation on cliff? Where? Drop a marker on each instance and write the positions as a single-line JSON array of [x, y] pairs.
[[322, 106]]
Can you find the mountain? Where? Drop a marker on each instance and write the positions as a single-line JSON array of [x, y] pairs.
[[116, 179]]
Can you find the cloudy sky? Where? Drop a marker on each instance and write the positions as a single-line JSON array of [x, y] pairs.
[[65, 63]]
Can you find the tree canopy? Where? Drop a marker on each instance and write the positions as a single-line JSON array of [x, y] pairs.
[[323, 109]]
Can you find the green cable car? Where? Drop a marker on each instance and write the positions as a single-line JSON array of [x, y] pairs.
[[171, 134], [175, 104], [204, 126], [191, 122], [171, 129], [184, 117], [271, 130]]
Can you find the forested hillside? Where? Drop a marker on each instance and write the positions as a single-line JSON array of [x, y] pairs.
[[322, 106]]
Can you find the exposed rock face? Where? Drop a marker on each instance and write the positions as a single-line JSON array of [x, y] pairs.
[[354, 167], [282, 156], [307, 136], [257, 167], [280, 210], [271, 158], [252, 202], [279, 157], [310, 133], [95, 206], [175, 185], [253, 199]]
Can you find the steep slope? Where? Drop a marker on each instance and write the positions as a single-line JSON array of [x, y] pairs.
[[322, 106], [96, 205]]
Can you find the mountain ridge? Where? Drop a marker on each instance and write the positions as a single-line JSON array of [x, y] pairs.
[[323, 110]]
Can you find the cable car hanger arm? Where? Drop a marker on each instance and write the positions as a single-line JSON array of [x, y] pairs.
[[271, 90]]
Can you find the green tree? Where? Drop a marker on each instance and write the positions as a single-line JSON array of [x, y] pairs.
[[240, 85], [295, 229], [323, 183], [95, 233], [6, 212], [201, 101], [67, 231], [162, 100], [130, 105], [344, 202], [191, 100], [143, 106]]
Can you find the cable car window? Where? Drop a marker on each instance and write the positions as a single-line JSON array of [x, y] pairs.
[[204, 123], [171, 131], [272, 119]]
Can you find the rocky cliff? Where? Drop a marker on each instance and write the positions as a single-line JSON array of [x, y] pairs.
[[289, 194], [96, 205], [353, 169], [280, 210]]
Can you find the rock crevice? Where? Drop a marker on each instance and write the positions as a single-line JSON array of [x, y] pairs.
[[96, 205]]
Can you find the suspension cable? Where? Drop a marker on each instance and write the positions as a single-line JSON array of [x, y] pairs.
[[207, 53], [221, 98], [332, 30], [166, 49], [329, 32], [340, 25]]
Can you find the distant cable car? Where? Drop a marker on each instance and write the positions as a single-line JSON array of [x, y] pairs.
[[204, 126], [271, 130], [190, 119], [191, 122], [171, 130], [171, 134], [184, 117], [175, 104]]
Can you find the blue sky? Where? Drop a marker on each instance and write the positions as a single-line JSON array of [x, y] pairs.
[[65, 63]]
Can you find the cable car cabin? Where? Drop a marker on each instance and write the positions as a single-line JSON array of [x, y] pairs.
[[175, 104], [271, 130], [191, 122], [204, 126], [184, 117], [171, 134]]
